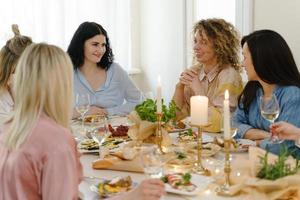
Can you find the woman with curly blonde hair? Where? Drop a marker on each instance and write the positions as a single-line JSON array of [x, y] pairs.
[[216, 51]]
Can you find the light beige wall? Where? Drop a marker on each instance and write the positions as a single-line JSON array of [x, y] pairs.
[[283, 17]]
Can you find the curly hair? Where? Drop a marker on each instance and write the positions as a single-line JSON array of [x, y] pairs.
[[225, 38], [85, 31]]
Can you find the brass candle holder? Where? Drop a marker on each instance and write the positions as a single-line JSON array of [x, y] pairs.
[[158, 136], [198, 168], [223, 190]]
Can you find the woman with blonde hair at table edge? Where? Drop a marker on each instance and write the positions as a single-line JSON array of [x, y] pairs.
[[38, 154], [9, 56], [216, 50], [111, 90]]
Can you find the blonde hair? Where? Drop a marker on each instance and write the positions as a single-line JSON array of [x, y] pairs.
[[9, 55], [43, 85], [225, 38]]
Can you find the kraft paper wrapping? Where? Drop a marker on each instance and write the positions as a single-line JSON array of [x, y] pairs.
[[251, 187], [143, 130]]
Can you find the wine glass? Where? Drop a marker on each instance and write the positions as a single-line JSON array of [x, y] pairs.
[[152, 161], [269, 109], [99, 130], [82, 106]]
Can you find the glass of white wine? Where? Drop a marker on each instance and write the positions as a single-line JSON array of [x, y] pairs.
[[269, 109], [82, 106]]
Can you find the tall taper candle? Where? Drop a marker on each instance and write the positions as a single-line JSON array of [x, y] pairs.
[[199, 110], [158, 96], [226, 117]]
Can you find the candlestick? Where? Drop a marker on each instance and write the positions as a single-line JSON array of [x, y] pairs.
[[158, 96], [158, 136], [199, 110], [226, 116], [198, 168], [223, 190]]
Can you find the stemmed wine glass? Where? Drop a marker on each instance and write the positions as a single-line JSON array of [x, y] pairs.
[[269, 109], [100, 129], [82, 106], [152, 161]]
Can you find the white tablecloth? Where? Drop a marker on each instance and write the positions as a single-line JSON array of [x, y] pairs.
[[90, 174], [88, 171]]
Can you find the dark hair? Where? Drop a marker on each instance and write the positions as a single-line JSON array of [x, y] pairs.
[[273, 62], [85, 31]]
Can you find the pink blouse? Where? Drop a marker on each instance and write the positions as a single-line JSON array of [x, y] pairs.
[[45, 167]]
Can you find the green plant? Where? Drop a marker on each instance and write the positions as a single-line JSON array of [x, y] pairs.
[[279, 168], [147, 111]]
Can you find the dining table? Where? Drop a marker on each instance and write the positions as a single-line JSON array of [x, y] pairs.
[[93, 176]]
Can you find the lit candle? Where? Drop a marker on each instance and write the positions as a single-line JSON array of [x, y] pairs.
[[226, 116], [199, 110], [158, 96]]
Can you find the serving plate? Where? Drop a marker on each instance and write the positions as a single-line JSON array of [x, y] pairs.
[[201, 182]]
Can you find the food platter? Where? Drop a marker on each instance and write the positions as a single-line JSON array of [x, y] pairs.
[[108, 188]]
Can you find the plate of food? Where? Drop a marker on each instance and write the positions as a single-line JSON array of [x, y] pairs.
[[176, 127], [181, 160], [94, 120], [208, 149], [108, 188], [237, 145], [185, 183], [90, 146]]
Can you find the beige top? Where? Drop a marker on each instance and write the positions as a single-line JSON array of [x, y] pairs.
[[45, 167], [213, 85]]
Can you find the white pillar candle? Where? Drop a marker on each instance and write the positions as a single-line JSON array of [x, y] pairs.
[[158, 96], [226, 117], [199, 110]]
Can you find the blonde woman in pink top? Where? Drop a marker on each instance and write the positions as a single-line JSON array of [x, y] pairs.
[[38, 155]]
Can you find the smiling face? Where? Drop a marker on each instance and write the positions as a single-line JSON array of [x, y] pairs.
[[204, 49], [94, 48], [247, 63]]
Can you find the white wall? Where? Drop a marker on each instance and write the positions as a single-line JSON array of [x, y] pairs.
[[163, 30], [162, 50], [283, 17]]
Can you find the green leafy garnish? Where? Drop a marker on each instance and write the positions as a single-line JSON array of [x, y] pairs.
[[188, 132], [147, 111], [186, 178], [180, 155], [279, 168], [164, 179]]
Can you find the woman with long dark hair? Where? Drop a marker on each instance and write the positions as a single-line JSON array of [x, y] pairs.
[[95, 73], [271, 70]]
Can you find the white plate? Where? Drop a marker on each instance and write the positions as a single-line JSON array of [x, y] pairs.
[[94, 188], [201, 182], [120, 146], [205, 138], [245, 142], [84, 151], [243, 145]]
